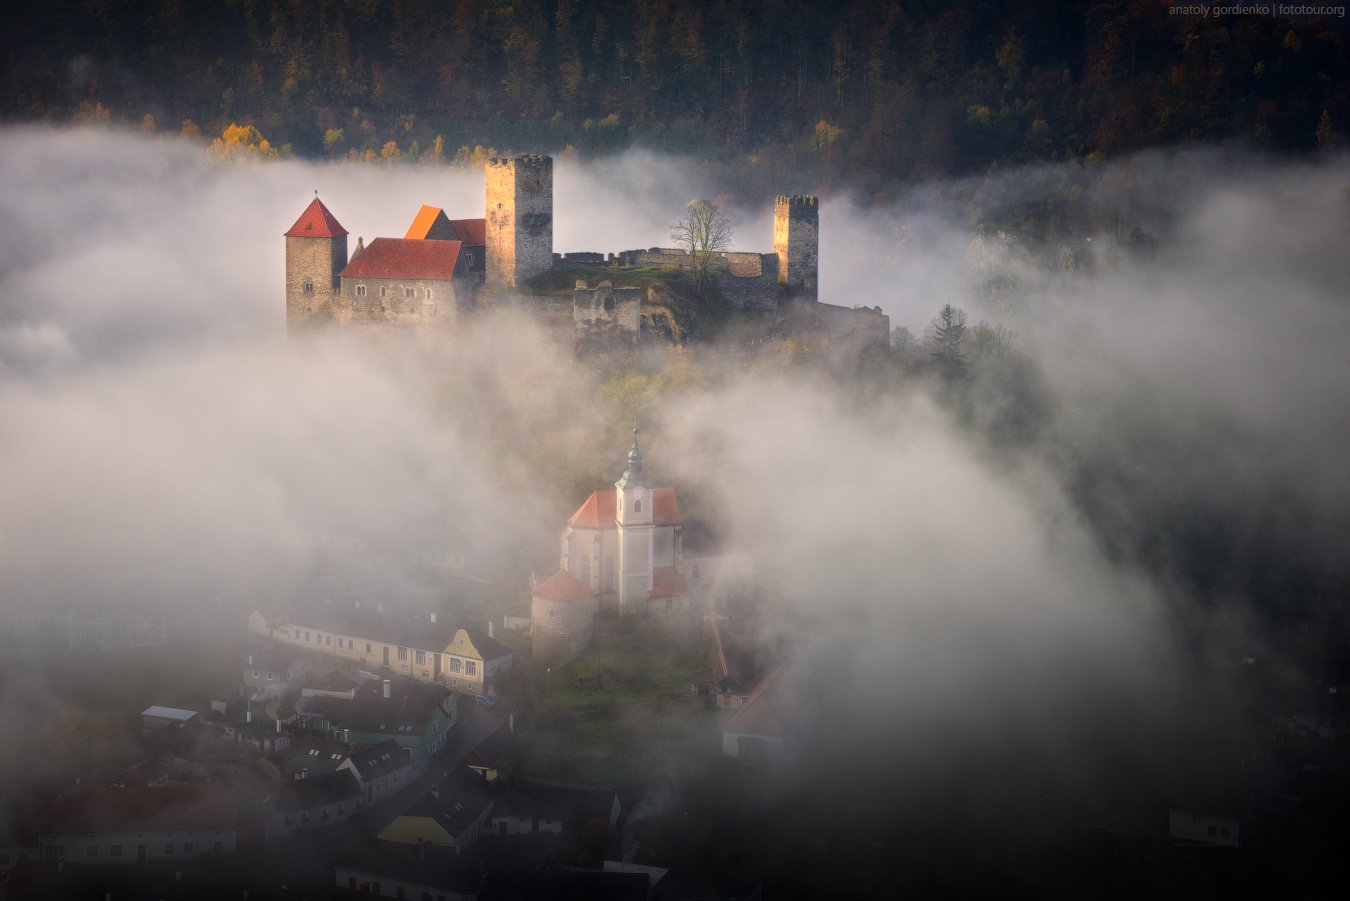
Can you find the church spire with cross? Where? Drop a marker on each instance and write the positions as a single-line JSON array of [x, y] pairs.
[[633, 476]]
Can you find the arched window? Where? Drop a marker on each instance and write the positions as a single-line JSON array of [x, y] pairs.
[[637, 505]]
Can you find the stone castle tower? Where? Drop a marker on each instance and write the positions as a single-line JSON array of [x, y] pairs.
[[796, 239], [316, 251], [519, 218]]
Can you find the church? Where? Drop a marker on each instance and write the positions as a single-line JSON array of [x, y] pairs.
[[624, 545]]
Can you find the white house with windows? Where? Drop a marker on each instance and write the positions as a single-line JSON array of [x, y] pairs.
[[137, 824]]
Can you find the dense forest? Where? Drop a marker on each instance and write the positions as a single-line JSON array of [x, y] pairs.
[[870, 93]]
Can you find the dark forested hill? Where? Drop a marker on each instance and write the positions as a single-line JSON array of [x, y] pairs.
[[870, 91]]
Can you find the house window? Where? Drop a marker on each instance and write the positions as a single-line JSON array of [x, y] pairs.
[[403, 654], [421, 657], [255, 674], [187, 847], [409, 293], [269, 677], [309, 287], [470, 668], [218, 846], [454, 664], [91, 851], [1213, 830], [306, 636], [328, 639], [360, 290], [637, 506], [115, 851]]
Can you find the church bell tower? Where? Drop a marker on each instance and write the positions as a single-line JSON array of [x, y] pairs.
[[633, 514]]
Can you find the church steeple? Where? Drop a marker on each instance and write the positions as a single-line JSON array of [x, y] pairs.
[[633, 476]]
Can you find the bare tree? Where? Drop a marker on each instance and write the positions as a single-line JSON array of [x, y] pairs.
[[703, 231]]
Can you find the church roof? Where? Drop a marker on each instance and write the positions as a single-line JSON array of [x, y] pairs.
[[562, 586], [430, 223], [766, 711], [316, 222], [599, 510], [405, 258], [667, 583]]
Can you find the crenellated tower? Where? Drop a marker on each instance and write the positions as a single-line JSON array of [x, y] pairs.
[[316, 251], [796, 238], [519, 218]]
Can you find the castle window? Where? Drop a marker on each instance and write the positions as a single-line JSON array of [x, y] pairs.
[[410, 293], [637, 506], [384, 290], [427, 295], [309, 287], [360, 290]]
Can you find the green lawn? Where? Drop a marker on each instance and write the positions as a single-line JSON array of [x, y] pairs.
[[637, 661]]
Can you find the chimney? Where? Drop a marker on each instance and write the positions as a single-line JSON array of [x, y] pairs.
[[250, 659], [248, 715], [433, 616], [278, 726], [388, 689]]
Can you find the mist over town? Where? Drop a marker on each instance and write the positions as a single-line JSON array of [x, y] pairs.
[[530, 515]]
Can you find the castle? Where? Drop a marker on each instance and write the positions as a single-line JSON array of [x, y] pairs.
[[435, 274]]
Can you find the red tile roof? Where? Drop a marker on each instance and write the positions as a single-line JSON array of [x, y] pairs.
[[599, 509], [404, 258], [189, 806], [471, 231], [431, 224], [667, 583], [316, 222], [562, 586], [766, 711]]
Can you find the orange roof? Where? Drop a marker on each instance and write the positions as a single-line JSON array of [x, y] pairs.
[[316, 222], [194, 805], [765, 711], [404, 258], [667, 583], [599, 509], [430, 224], [562, 586], [471, 231]]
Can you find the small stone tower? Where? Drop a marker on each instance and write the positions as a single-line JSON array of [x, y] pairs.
[[519, 218], [796, 238], [316, 251], [633, 514]]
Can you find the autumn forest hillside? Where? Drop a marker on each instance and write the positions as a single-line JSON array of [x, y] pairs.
[[870, 93]]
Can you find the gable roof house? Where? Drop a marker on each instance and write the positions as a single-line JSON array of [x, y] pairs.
[[274, 671], [301, 805], [137, 824], [769, 725], [380, 769], [529, 809], [416, 716], [453, 814]]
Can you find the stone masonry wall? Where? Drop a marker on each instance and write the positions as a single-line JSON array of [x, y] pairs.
[[560, 630], [433, 304], [606, 316], [796, 228], [312, 267], [519, 218]]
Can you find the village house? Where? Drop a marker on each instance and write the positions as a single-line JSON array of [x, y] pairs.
[[464, 660], [274, 672], [301, 805], [380, 769], [451, 815], [553, 810], [137, 824], [416, 716], [413, 871], [769, 726]]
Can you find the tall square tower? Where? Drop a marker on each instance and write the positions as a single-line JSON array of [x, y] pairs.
[[796, 231], [519, 218]]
